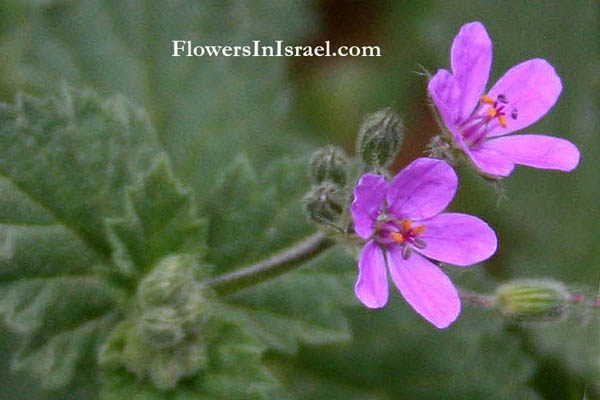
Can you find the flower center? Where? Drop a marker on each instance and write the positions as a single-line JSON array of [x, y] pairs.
[[475, 127], [497, 108], [408, 234]]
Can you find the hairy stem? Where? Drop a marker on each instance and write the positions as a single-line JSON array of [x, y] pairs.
[[273, 266], [477, 299]]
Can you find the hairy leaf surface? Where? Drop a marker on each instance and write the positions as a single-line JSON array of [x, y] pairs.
[[64, 162]]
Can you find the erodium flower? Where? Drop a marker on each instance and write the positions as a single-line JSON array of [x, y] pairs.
[[478, 121], [404, 227]]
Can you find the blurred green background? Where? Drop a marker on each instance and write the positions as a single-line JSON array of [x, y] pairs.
[[206, 110]]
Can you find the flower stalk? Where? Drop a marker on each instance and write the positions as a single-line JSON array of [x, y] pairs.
[[271, 267], [485, 301]]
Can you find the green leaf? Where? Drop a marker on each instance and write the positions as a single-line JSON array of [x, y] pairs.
[[251, 218], [49, 296], [161, 219], [396, 354], [64, 337], [303, 383], [206, 109], [73, 154], [303, 306], [64, 164]]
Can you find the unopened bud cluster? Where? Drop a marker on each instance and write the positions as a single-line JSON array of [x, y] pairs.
[[532, 300], [326, 201], [166, 338], [380, 139]]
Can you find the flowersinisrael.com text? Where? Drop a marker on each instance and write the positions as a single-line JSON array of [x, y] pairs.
[[188, 49]]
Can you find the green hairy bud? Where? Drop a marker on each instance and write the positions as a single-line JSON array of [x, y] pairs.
[[540, 300], [169, 282], [329, 164], [161, 327], [380, 138], [166, 337], [128, 347], [195, 310], [324, 203]]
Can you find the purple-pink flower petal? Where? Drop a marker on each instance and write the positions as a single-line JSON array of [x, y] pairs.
[[471, 59], [425, 287], [458, 239], [445, 95], [423, 189], [537, 151], [369, 196], [490, 161], [371, 287], [531, 88]]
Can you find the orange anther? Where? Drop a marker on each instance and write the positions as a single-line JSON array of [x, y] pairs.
[[406, 225], [502, 120], [397, 237], [419, 229], [492, 112], [487, 100]]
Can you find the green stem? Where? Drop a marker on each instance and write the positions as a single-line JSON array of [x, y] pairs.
[[273, 266]]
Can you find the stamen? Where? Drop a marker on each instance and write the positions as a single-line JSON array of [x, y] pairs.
[[475, 128], [397, 237], [502, 120], [419, 243], [497, 110], [485, 99], [407, 237], [406, 252], [419, 229]]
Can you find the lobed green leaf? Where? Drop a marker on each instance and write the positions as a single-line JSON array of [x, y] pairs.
[[161, 219], [64, 164]]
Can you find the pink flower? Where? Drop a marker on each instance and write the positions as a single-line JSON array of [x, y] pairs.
[[402, 224], [478, 121]]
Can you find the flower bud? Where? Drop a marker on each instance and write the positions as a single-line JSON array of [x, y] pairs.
[[534, 300], [195, 310], [169, 281], [329, 164], [167, 337], [161, 327], [380, 138], [324, 203]]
